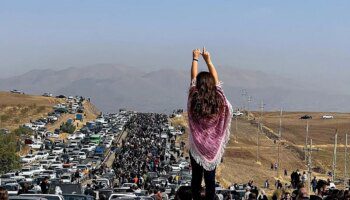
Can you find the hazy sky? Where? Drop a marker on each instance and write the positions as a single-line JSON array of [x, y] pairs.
[[309, 39]]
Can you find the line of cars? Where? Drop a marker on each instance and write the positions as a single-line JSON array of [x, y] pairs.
[[62, 159]]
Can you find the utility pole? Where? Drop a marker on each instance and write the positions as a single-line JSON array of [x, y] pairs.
[[309, 150], [260, 130], [307, 137], [249, 100], [346, 161], [279, 144], [244, 94], [335, 155], [236, 135]]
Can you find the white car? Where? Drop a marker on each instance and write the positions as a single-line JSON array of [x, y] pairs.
[[42, 155], [327, 117], [107, 144], [29, 158], [36, 145], [82, 155], [57, 150], [40, 124], [51, 158], [66, 178], [37, 168], [57, 164], [175, 168], [87, 148], [182, 165], [44, 163], [26, 171], [237, 113], [50, 173]]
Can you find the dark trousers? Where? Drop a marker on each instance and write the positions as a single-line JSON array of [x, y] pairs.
[[197, 176]]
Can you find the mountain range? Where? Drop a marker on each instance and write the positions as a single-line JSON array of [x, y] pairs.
[[111, 87]]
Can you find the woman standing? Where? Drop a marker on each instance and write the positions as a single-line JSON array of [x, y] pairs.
[[209, 116]]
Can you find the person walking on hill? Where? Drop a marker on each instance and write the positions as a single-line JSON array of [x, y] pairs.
[[209, 117]]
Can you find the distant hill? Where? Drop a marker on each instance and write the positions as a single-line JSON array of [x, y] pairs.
[[111, 87]]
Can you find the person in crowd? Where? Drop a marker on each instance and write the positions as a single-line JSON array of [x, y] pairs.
[[89, 191], [286, 196], [3, 194], [45, 186], [302, 194], [247, 192], [314, 184], [321, 190], [209, 117], [262, 195], [24, 190]]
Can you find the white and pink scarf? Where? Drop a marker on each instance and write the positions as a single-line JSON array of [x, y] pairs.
[[209, 136]]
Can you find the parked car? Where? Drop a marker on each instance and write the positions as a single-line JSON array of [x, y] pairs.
[[327, 117], [237, 113], [306, 117], [42, 155], [29, 158], [57, 150]]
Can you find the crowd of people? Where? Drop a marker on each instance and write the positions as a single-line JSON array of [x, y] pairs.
[[144, 155]]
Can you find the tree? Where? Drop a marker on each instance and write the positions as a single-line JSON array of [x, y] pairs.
[[22, 130], [67, 127], [9, 160]]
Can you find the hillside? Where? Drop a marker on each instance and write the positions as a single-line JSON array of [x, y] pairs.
[[114, 86], [17, 109], [240, 159]]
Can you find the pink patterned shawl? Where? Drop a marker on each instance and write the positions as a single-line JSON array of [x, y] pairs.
[[209, 136]]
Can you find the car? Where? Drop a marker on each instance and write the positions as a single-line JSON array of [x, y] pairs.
[[175, 168], [77, 197], [44, 163], [237, 113], [26, 171], [306, 117], [87, 148], [47, 94], [37, 168], [36, 145], [129, 185], [182, 165], [49, 173], [66, 178], [52, 158], [56, 164], [82, 155], [42, 155], [57, 150], [17, 91], [327, 117], [29, 158], [46, 196]]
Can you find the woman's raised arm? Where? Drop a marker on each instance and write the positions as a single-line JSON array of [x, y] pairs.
[[194, 69], [211, 67]]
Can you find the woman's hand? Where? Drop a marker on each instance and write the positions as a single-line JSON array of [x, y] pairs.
[[206, 55], [196, 53]]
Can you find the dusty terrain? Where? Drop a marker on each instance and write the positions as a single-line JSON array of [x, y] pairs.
[[240, 159], [17, 109]]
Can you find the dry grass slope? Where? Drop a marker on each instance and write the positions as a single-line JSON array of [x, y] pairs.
[[240, 159], [17, 109]]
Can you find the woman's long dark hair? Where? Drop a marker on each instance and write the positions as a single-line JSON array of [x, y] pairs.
[[205, 102]]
